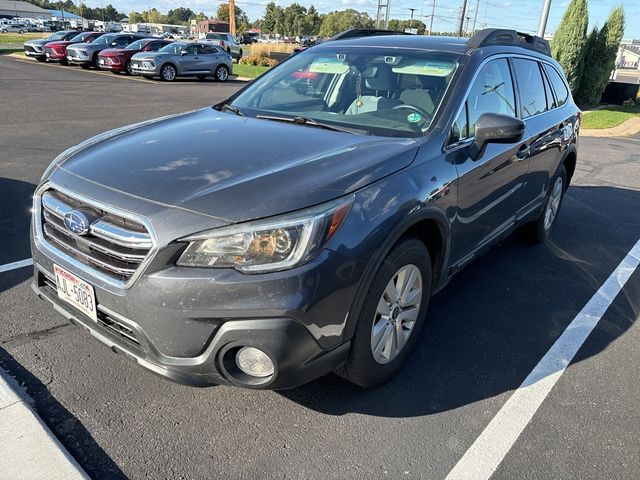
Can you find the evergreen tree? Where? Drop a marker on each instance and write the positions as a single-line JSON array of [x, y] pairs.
[[600, 58], [568, 43]]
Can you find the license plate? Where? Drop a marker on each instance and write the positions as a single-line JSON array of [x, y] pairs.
[[76, 292]]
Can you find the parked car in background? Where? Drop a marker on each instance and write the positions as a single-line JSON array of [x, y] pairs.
[[227, 42], [118, 60], [35, 48], [57, 51], [86, 55], [298, 228], [184, 59], [247, 38], [9, 27]]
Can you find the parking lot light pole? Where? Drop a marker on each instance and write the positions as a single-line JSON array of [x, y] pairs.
[[542, 26]]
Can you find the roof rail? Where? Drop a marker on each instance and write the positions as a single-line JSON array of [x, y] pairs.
[[499, 36]]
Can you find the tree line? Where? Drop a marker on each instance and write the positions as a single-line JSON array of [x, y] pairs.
[[587, 58], [109, 13]]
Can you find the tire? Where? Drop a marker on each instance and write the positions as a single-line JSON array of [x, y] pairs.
[[4, 30], [21, 32], [540, 230], [127, 69], [168, 73], [367, 368], [222, 73]]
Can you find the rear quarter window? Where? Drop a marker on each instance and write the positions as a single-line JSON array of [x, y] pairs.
[[561, 89]]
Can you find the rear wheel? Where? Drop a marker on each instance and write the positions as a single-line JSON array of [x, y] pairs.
[[168, 73], [540, 230], [392, 315], [222, 73]]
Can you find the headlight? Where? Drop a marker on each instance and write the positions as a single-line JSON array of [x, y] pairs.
[[267, 245]]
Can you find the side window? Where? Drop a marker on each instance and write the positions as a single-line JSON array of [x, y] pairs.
[[551, 104], [206, 50], [531, 87], [192, 49], [562, 92], [154, 46], [491, 92]]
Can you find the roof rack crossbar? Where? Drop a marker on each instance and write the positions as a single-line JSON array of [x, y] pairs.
[[500, 36]]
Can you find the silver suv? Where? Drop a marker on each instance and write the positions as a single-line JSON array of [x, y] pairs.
[[183, 59], [227, 42]]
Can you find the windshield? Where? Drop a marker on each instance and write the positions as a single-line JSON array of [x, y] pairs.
[[382, 91], [137, 45], [173, 48], [105, 39], [80, 37], [58, 36]]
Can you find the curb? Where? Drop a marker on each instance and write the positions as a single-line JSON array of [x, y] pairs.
[[28, 449]]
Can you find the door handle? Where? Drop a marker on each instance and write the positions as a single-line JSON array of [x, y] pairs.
[[523, 152]]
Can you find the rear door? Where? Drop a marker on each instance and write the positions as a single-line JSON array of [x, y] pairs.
[[545, 126], [490, 188], [209, 58]]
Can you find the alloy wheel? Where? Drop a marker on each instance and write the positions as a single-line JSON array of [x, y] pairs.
[[396, 314], [168, 73], [222, 73], [553, 203]]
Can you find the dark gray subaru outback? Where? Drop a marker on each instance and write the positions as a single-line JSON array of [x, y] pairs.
[[301, 226]]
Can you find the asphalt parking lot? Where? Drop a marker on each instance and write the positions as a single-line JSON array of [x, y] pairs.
[[487, 330]]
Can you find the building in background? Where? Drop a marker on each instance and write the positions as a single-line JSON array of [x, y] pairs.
[[200, 29], [11, 9]]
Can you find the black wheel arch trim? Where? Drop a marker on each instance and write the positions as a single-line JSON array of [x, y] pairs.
[[439, 269]]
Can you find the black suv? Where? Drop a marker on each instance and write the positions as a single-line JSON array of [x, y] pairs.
[[301, 226]]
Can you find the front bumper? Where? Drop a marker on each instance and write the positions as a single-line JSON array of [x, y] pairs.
[[32, 53], [78, 60], [296, 355], [150, 71]]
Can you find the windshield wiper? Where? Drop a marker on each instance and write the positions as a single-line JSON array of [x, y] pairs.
[[236, 110], [310, 122]]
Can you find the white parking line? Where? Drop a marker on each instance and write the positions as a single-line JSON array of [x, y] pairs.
[[489, 449], [7, 267]]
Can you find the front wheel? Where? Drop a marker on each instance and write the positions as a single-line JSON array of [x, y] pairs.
[[222, 73], [168, 73], [128, 68], [392, 315], [539, 230]]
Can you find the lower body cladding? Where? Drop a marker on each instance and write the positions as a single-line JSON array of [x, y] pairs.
[[279, 332]]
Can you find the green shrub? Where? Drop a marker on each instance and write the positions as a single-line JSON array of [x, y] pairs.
[[568, 44]]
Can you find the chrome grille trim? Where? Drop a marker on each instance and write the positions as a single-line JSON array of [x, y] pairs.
[[114, 255]]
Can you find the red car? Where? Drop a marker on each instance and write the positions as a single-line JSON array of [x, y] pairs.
[[57, 51], [118, 59]]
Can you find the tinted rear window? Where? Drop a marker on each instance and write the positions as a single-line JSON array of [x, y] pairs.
[[531, 87]]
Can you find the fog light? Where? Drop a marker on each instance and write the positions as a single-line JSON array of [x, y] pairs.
[[254, 362]]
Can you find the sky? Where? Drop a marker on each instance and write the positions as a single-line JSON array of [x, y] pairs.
[[523, 15]]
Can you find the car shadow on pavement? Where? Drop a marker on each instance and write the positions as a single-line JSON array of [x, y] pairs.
[[66, 426], [491, 325], [15, 217]]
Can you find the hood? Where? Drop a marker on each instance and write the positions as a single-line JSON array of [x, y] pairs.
[[233, 167], [58, 43], [150, 55], [114, 51], [40, 42]]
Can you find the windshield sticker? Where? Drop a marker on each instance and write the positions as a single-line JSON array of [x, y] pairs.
[[432, 68], [414, 117], [328, 65]]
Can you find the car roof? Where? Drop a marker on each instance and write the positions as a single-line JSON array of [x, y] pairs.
[[450, 44]]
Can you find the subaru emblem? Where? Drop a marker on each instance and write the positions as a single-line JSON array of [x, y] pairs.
[[77, 222]]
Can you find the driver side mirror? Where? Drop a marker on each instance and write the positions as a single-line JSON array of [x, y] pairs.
[[495, 128], [183, 52]]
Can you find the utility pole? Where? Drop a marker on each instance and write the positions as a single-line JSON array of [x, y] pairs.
[[542, 26], [475, 16], [411, 21], [232, 17], [383, 5], [462, 15], [433, 11]]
